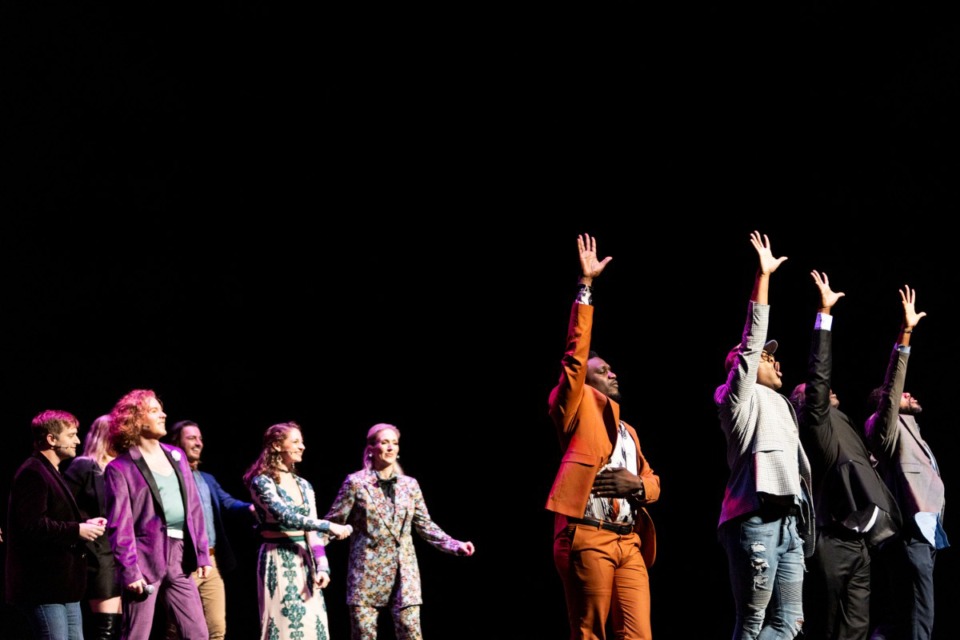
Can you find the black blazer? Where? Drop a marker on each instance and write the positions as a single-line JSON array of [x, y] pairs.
[[846, 484], [85, 478], [46, 559]]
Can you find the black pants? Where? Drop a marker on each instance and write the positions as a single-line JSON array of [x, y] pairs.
[[836, 589]]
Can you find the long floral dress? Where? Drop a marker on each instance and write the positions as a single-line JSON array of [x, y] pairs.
[[291, 605]]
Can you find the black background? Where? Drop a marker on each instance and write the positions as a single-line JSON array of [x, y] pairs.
[[344, 218]]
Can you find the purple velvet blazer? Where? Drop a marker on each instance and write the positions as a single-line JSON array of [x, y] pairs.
[[136, 526]]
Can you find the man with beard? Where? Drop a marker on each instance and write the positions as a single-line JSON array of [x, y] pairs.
[[216, 503], [604, 539], [906, 462]]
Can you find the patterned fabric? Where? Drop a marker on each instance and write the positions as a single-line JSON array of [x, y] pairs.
[[381, 547], [616, 509], [763, 440], [291, 606]]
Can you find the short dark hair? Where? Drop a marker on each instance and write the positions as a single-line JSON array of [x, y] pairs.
[[593, 354], [873, 400]]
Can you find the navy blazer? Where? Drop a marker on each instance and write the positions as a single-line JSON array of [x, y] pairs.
[[46, 559], [223, 501]]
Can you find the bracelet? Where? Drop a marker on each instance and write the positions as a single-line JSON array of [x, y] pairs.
[[908, 330]]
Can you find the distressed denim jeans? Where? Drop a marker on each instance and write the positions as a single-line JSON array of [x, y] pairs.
[[766, 564]]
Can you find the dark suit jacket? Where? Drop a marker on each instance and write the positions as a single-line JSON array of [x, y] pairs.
[[46, 559], [846, 484], [136, 525], [587, 423], [223, 501], [85, 479]]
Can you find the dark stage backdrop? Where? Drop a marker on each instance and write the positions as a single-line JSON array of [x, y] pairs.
[[343, 220]]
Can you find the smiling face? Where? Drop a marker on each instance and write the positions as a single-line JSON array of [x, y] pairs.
[[385, 449], [153, 420], [291, 449], [191, 441]]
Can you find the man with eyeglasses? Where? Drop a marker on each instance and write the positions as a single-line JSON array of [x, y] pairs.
[[766, 524]]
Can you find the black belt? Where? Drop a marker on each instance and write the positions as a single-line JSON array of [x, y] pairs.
[[620, 528]]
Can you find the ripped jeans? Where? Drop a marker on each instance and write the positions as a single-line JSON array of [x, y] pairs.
[[765, 559]]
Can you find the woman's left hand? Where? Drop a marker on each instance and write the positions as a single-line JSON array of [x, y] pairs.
[[465, 549], [322, 579]]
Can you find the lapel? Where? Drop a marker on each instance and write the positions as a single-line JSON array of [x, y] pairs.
[[914, 429], [138, 460], [383, 509], [57, 478]]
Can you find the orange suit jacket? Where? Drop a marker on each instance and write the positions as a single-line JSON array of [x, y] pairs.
[[587, 424]]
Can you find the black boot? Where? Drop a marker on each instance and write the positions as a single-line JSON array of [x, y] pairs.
[[106, 626]]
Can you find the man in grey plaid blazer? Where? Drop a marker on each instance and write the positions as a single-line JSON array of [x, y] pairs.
[[766, 522]]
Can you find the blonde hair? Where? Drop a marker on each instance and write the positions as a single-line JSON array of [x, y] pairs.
[[97, 445], [373, 434]]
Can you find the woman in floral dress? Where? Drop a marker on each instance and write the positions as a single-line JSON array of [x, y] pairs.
[[292, 565]]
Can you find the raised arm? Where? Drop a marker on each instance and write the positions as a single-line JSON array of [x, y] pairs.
[[881, 427], [768, 264], [813, 409], [908, 297], [590, 265], [828, 298]]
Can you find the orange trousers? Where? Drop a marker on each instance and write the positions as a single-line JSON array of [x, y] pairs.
[[603, 573]]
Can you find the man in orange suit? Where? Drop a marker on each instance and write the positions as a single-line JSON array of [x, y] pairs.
[[604, 539]]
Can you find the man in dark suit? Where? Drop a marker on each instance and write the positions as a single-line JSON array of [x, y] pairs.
[[604, 538], [855, 511], [155, 521], [909, 468], [46, 568], [186, 435]]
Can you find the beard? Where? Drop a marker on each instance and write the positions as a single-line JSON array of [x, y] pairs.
[[912, 409]]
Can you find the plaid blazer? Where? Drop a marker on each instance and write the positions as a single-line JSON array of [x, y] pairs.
[[764, 452]]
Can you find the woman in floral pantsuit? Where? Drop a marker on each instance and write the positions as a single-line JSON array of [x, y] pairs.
[[384, 506]]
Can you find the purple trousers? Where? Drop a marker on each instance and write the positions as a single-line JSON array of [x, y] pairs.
[[181, 599]]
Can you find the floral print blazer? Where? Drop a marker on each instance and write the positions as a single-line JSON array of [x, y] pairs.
[[381, 546]]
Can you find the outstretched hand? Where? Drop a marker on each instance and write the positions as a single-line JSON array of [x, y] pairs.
[[828, 297], [590, 265], [910, 316], [768, 264]]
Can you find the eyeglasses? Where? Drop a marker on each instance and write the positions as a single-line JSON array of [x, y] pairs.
[[768, 357]]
